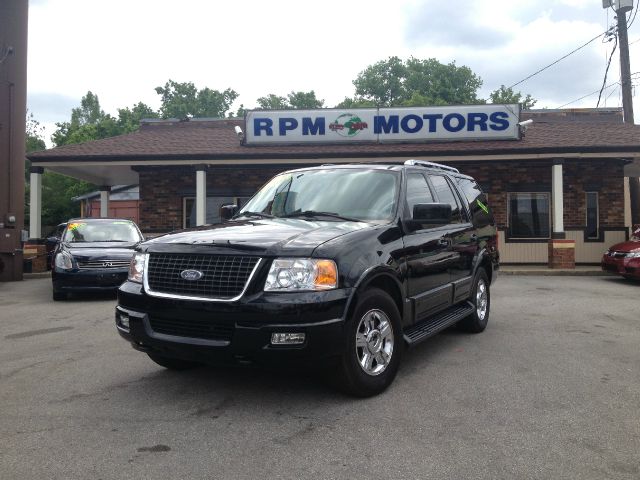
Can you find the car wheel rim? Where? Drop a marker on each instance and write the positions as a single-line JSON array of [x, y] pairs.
[[374, 342], [482, 299]]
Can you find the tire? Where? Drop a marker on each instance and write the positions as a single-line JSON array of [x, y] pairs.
[[375, 327], [481, 299], [172, 363], [58, 296]]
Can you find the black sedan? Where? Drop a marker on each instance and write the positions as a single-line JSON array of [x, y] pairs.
[[93, 255]]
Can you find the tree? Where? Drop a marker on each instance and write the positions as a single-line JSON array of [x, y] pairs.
[[350, 102], [507, 95], [181, 100], [304, 100], [414, 82], [294, 100], [129, 118], [273, 102]]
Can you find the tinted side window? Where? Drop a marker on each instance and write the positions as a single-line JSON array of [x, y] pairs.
[[478, 204], [446, 195], [417, 191]]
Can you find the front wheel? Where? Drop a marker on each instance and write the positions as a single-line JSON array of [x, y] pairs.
[[481, 299], [373, 346]]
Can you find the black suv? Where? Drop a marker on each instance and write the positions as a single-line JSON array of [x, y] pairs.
[[341, 265]]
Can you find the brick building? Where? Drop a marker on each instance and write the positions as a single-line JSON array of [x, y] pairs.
[[563, 183]]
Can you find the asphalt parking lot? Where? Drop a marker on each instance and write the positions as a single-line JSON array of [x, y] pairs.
[[551, 390]]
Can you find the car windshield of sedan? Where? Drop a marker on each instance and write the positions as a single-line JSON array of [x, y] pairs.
[[101, 231], [342, 193]]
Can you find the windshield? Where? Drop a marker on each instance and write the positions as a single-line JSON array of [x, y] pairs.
[[367, 195], [101, 231]]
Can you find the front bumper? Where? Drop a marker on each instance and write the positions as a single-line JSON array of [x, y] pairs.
[[627, 267], [235, 332], [88, 280]]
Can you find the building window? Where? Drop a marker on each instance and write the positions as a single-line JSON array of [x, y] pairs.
[[213, 209], [592, 215], [529, 215]]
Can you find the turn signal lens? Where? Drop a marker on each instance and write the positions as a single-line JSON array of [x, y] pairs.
[[327, 276]]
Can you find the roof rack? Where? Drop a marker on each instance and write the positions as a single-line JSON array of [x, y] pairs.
[[439, 166]]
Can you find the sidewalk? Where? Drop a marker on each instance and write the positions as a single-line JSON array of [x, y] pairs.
[[542, 270]]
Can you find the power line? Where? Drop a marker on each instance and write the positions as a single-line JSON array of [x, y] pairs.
[[595, 91], [562, 58], [606, 72]]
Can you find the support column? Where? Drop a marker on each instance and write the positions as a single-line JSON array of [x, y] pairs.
[[201, 195], [562, 252], [557, 200], [104, 201], [35, 203]]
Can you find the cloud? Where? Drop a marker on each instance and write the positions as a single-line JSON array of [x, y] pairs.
[[437, 22], [50, 106]]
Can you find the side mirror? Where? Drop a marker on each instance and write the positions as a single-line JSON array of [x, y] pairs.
[[53, 240], [227, 212], [432, 213]]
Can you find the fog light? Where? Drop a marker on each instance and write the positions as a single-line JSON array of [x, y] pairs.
[[124, 320], [287, 338]]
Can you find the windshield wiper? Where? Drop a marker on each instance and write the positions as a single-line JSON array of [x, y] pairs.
[[314, 213], [254, 214]]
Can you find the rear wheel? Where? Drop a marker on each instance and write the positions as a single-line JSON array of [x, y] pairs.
[[172, 363], [481, 299], [373, 346]]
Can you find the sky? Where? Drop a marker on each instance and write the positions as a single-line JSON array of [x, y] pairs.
[[122, 49]]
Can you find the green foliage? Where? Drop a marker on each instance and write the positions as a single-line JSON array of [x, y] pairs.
[[294, 100], [181, 100], [35, 135], [507, 95], [349, 102], [383, 82], [129, 118], [413, 82], [304, 100], [273, 102], [57, 192]]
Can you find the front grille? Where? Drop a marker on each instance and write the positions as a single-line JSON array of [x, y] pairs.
[[192, 328], [223, 277], [99, 264]]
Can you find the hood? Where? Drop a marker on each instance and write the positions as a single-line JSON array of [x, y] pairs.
[[100, 249], [627, 246], [276, 236]]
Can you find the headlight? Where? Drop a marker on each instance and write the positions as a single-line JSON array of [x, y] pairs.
[[64, 261], [136, 267], [634, 254], [291, 274]]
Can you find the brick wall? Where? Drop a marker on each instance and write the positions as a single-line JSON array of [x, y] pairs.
[[162, 191], [604, 176]]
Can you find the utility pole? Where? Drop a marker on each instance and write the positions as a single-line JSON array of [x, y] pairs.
[[622, 7], [13, 104]]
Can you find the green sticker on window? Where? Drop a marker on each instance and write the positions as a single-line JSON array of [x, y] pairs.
[[484, 208]]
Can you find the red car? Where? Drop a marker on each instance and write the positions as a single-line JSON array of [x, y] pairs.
[[624, 258]]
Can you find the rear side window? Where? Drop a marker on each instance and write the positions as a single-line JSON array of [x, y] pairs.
[[417, 191], [478, 205], [446, 195]]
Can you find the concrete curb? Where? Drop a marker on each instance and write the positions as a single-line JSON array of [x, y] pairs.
[[557, 273]]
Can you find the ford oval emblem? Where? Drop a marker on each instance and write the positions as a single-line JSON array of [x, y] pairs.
[[191, 275]]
